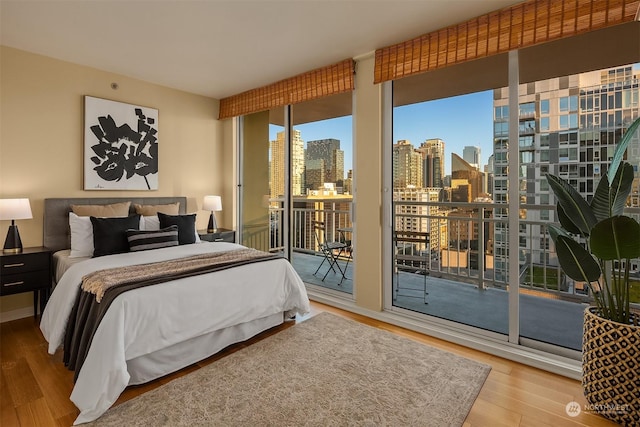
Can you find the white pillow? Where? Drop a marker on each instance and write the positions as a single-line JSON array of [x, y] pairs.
[[81, 236], [152, 223]]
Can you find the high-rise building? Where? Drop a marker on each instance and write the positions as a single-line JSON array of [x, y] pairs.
[[314, 174], [466, 180], [329, 151], [277, 165], [471, 155], [424, 217], [432, 151], [407, 165], [348, 182], [568, 126]]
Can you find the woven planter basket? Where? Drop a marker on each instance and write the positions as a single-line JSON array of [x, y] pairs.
[[611, 368]]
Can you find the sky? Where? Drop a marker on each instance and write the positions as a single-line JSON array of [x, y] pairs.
[[459, 121]]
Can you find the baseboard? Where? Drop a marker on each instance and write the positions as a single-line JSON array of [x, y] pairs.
[[20, 313]]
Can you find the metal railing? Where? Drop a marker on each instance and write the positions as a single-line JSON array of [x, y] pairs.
[[468, 242]]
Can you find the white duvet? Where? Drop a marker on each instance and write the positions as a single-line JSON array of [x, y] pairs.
[[144, 320]]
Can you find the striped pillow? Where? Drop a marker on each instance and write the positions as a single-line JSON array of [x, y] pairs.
[[141, 240]]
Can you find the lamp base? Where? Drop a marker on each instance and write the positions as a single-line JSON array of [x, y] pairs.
[[212, 227], [12, 244]]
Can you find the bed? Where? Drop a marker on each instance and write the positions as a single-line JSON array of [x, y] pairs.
[[151, 331]]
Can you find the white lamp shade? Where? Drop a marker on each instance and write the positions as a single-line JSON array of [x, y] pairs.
[[15, 209], [212, 203]]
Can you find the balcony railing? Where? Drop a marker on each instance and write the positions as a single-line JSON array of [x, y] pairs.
[[468, 242]]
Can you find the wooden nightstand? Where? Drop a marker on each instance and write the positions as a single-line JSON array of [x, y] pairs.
[[222, 235], [27, 271]]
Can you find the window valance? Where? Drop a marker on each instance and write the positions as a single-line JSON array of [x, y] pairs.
[[522, 25]]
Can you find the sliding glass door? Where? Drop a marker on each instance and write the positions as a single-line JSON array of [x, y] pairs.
[[449, 225], [471, 148], [296, 188], [323, 192]]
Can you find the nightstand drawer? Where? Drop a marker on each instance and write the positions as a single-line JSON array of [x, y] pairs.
[[28, 281], [23, 263]]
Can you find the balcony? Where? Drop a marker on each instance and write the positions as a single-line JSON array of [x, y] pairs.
[[463, 286]]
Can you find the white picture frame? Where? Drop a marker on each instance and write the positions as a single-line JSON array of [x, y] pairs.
[[120, 146]]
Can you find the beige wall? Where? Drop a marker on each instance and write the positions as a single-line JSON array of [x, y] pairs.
[[41, 121], [41, 140]]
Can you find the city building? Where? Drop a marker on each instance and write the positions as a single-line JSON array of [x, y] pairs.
[[329, 151], [277, 165], [568, 126], [467, 182], [432, 151], [407, 165], [471, 154], [422, 217]]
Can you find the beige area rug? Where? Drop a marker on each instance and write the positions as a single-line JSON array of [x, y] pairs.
[[325, 371]]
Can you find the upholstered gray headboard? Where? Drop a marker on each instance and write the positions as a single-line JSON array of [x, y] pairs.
[[57, 235]]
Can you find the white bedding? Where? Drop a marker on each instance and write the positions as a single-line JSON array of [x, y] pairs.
[[148, 319], [62, 261]]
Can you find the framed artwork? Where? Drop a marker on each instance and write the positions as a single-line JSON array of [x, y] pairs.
[[120, 146]]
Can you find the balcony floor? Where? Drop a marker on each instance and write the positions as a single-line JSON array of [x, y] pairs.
[[543, 319]]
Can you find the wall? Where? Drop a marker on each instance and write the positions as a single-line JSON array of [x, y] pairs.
[[41, 142]]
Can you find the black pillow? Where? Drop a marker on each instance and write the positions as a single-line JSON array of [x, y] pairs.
[[109, 234], [186, 226], [141, 240]]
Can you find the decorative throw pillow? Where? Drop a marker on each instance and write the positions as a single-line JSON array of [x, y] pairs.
[[146, 210], [142, 240], [81, 236], [186, 226], [153, 223], [109, 234], [103, 211]]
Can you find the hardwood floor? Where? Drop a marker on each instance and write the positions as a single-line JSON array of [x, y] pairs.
[[35, 387]]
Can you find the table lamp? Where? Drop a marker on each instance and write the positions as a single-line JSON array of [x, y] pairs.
[[12, 209], [212, 203]]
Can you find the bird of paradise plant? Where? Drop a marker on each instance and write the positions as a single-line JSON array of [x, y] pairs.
[[597, 241]]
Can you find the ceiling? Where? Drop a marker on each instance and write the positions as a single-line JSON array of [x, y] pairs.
[[221, 48]]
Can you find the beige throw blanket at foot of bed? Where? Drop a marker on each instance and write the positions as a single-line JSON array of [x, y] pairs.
[[99, 281]]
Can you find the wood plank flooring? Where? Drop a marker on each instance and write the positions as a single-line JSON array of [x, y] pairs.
[[35, 387]]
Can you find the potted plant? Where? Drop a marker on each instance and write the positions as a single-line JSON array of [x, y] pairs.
[[595, 245]]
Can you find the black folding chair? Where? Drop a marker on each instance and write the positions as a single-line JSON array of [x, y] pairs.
[[330, 250], [409, 258]]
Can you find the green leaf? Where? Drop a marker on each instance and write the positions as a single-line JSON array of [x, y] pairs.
[[575, 261], [620, 149], [565, 221], [617, 238], [574, 206], [600, 204], [620, 189]]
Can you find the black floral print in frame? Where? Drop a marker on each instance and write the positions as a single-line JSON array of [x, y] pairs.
[[122, 150]]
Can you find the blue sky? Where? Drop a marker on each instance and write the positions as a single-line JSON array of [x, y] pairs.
[[458, 121]]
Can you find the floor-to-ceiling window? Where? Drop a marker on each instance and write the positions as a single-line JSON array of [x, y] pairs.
[[322, 189], [571, 116], [449, 237], [471, 203], [304, 208]]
